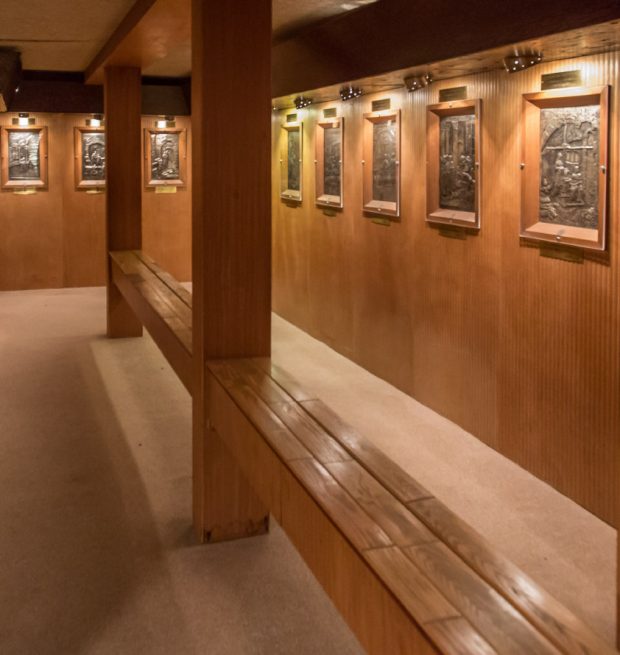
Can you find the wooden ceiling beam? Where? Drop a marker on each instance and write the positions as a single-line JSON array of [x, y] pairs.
[[395, 34], [152, 30]]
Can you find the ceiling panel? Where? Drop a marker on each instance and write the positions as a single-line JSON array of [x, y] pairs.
[[65, 35]]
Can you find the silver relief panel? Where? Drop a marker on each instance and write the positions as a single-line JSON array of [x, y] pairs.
[[93, 156], [331, 161], [384, 161], [24, 155], [457, 153], [165, 156], [293, 158], [569, 160]]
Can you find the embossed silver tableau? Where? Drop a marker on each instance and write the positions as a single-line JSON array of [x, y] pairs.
[[564, 168], [90, 157], [291, 160], [329, 157], [453, 163], [382, 162], [165, 157], [569, 161], [24, 157]]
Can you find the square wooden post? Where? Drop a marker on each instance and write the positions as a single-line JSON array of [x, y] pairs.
[[123, 111], [231, 258]]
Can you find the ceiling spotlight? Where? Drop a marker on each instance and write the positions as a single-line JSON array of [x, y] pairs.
[[164, 122], [416, 82], [349, 92], [302, 101], [519, 62], [23, 120], [95, 121]]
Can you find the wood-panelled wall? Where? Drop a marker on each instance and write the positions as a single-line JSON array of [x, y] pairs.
[[520, 350], [56, 238]]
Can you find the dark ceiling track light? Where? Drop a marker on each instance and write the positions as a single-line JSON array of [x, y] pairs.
[[417, 82], [519, 62], [302, 101], [349, 92]]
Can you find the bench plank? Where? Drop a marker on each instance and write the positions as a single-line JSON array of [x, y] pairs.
[[322, 445], [458, 637], [370, 457], [403, 528], [284, 379], [492, 615], [559, 624], [340, 507], [412, 588]]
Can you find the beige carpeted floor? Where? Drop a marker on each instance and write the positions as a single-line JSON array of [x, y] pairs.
[[96, 552]]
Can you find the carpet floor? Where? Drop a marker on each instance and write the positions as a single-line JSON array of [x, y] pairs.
[[96, 550]]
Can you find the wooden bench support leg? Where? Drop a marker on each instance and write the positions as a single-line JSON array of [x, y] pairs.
[[231, 236], [123, 108]]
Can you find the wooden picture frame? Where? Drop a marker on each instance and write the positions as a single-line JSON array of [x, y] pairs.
[[165, 157], [89, 159], [565, 166], [291, 161], [453, 151], [381, 182], [329, 163], [24, 157]]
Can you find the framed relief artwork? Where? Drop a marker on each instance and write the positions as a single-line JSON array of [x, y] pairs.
[[165, 157], [453, 163], [565, 167], [24, 157], [382, 162], [89, 157], [291, 161], [329, 157]]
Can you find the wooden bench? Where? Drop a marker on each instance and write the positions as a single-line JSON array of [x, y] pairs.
[[406, 573], [161, 303]]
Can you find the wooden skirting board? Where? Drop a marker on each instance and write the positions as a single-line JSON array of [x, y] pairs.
[[404, 571]]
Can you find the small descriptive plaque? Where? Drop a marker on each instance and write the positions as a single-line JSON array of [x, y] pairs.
[[381, 221], [94, 192], [330, 112], [454, 93], [291, 118], [381, 105], [330, 212], [561, 80], [165, 189], [574, 255], [452, 233], [25, 192]]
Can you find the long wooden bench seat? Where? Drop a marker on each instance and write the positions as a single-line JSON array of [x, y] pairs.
[[161, 303], [406, 573]]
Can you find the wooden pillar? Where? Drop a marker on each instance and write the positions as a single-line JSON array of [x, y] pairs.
[[231, 257], [123, 110]]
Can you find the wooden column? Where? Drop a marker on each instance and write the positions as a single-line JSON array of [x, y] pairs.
[[123, 184], [231, 267]]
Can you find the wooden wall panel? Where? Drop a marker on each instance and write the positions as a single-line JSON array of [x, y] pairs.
[[167, 218], [56, 238], [518, 349]]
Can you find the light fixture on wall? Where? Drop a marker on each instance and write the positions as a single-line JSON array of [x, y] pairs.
[[95, 121], [416, 82], [23, 120], [164, 122], [302, 101], [349, 92], [518, 62]]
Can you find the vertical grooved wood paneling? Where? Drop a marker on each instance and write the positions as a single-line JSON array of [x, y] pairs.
[[518, 349]]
